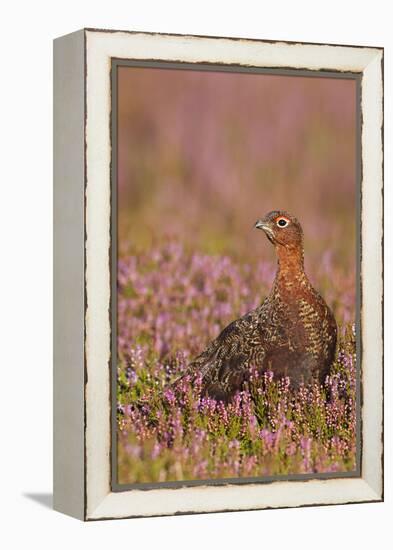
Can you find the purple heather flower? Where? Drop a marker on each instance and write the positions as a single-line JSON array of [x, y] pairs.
[[170, 305]]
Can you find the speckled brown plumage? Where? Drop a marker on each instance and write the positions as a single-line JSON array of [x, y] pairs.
[[292, 333]]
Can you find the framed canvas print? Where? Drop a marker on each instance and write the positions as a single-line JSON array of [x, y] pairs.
[[218, 274]]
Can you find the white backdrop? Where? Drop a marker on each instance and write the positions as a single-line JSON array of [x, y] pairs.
[[26, 272]]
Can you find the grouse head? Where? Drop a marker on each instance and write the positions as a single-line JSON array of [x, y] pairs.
[[282, 229]]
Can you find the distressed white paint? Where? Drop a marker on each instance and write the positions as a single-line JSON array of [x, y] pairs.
[[235, 497], [371, 268], [101, 46]]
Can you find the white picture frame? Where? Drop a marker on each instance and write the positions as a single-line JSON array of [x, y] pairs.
[[82, 248]]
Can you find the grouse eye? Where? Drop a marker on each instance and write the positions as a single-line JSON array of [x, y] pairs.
[[282, 222]]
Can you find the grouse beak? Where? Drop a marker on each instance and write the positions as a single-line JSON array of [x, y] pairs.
[[260, 224]]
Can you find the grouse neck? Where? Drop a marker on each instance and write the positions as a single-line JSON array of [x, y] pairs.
[[290, 265]]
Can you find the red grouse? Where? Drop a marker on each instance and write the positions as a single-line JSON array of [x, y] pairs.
[[292, 333]]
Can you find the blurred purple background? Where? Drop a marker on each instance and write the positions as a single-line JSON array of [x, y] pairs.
[[202, 155]]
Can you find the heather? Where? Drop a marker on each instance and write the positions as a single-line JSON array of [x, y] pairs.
[[171, 304], [201, 156]]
